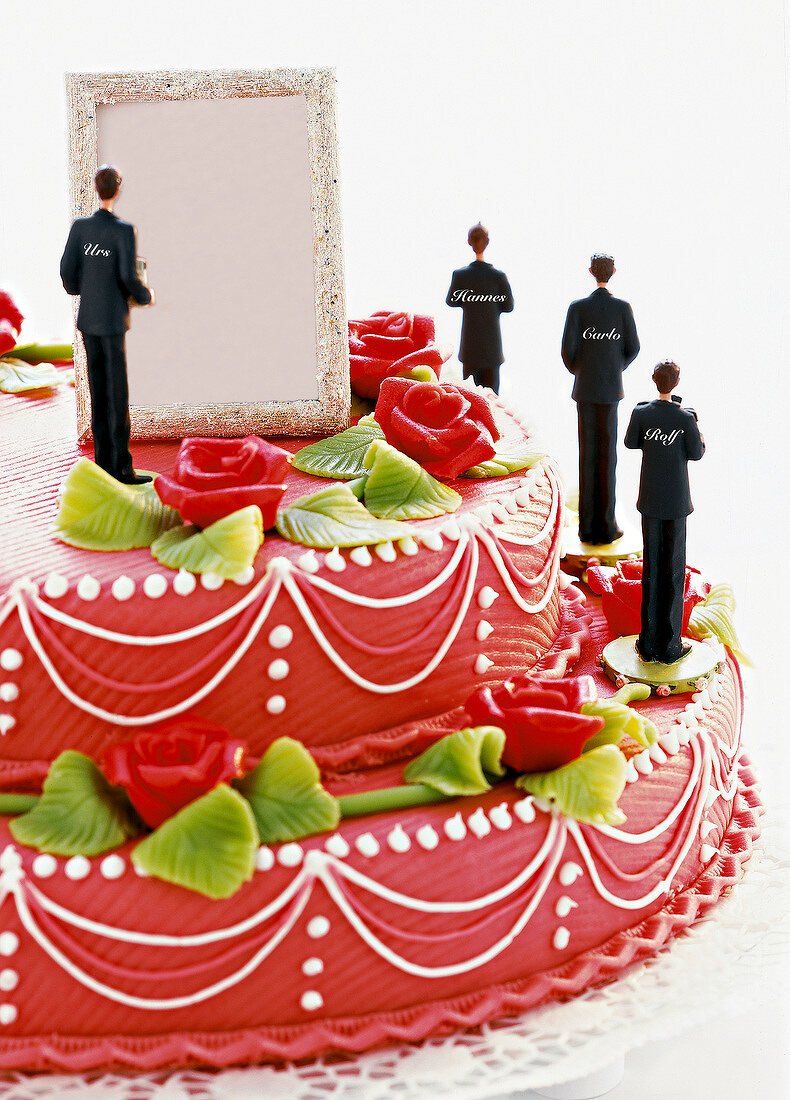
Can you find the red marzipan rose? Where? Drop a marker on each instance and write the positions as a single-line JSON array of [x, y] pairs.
[[390, 344], [540, 717], [173, 763], [620, 589], [214, 477], [10, 322], [446, 428]]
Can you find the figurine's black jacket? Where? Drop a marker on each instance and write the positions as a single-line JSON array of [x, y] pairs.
[[669, 439], [99, 264], [481, 340], [598, 364]]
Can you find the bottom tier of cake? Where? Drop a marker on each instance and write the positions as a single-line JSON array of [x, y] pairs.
[[398, 926]]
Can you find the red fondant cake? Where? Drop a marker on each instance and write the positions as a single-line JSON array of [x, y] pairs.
[[399, 924]]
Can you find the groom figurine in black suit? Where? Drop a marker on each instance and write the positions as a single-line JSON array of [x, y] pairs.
[[598, 343], [669, 439], [482, 293], [99, 264]]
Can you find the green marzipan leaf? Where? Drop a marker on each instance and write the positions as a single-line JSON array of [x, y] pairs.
[[226, 547], [79, 812], [715, 619], [339, 456], [99, 513], [587, 789], [398, 488], [619, 721], [459, 763], [334, 517], [19, 377], [40, 353], [507, 462], [419, 374], [633, 692], [209, 846], [286, 795], [357, 487]]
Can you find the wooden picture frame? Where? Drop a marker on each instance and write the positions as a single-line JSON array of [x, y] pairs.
[[232, 181]]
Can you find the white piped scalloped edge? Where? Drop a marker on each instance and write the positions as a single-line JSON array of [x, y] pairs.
[[426, 836], [679, 734]]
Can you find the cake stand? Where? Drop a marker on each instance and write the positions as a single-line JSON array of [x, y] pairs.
[[725, 963]]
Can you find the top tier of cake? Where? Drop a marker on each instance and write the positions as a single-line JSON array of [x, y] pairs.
[[348, 651]]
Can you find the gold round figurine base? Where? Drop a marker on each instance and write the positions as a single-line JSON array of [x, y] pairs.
[[576, 554], [622, 665]]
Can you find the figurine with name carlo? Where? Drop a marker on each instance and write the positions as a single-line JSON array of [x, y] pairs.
[[483, 293], [100, 264], [669, 438], [598, 343]]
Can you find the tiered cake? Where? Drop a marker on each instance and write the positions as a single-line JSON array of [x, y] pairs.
[[398, 924]]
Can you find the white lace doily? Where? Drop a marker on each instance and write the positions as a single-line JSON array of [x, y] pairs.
[[724, 962]]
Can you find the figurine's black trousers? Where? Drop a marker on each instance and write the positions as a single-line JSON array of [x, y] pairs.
[[597, 465], [484, 374], [109, 390], [663, 582]]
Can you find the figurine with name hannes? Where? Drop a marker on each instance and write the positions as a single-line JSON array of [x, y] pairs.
[[599, 342], [100, 264], [483, 293]]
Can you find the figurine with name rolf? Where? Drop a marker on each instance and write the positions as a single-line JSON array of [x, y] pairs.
[[669, 438], [598, 343], [483, 293], [100, 264]]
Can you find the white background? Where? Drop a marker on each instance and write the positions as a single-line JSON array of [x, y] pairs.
[[656, 132]]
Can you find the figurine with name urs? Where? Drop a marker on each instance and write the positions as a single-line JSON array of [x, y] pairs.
[[669, 439], [483, 293], [598, 344], [100, 264]]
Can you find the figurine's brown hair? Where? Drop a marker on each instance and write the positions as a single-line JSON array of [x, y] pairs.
[[666, 376], [602, 267], [478, 237], [107, 181]]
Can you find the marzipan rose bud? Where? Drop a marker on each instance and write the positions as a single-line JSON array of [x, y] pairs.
[[173, 763], [214, 477], [542, 720], [620, 589], [446, 428], [386, 345]]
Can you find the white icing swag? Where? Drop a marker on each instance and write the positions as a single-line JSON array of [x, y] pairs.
[[706, 783], [280, 576]]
